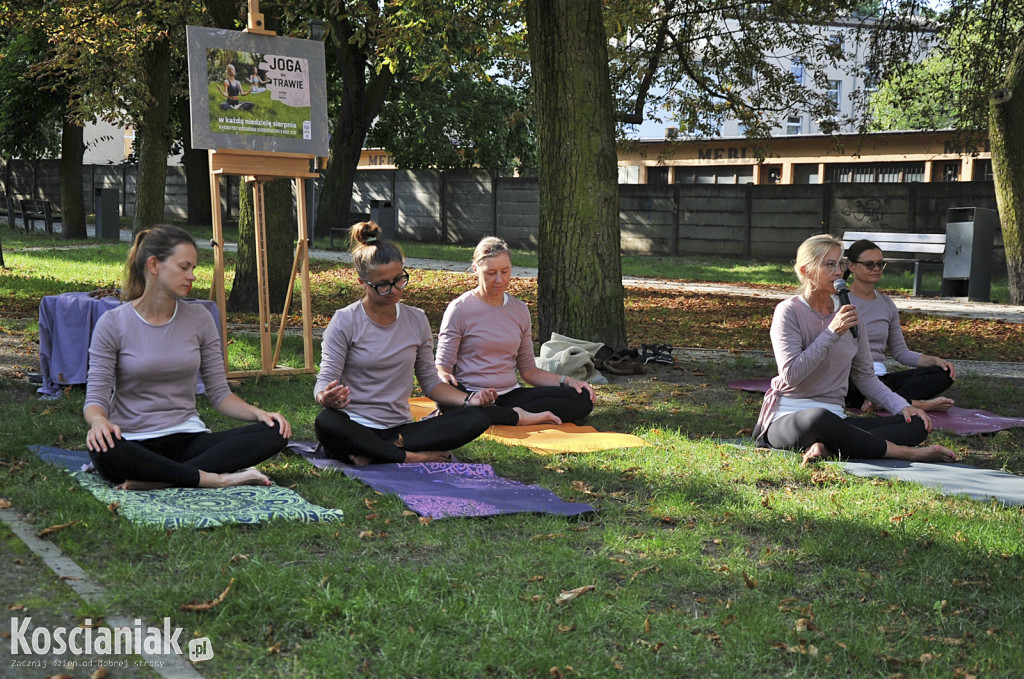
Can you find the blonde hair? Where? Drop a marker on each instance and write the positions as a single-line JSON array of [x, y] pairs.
[[811, 253], [491, 246], [158, 241], [370, 249]]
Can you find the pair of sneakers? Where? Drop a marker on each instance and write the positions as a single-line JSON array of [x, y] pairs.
[[622, 362], [656, 353]]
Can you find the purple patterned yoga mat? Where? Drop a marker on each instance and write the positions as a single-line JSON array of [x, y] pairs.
[[962, 421], [443, 489]]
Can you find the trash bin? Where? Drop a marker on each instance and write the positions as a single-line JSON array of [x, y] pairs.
[[383, 213], [967, 265], [108, 223]]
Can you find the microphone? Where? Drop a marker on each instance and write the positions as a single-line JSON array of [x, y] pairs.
[[844, 298]]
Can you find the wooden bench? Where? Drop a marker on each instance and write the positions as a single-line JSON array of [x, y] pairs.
[[923, 250], [33, 210], [9, 206], [342, 232]]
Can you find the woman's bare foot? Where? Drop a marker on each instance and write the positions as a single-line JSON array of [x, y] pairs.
[[243, 477], [527, 418], [428, 456], [934, 405], [816, 452], [142, 485], [360, 460], [866, 407], [932, 453]]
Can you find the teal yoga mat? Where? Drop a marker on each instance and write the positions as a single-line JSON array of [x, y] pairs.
[[172, 508]]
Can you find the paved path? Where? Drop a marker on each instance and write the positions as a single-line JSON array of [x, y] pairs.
[[951, 307]]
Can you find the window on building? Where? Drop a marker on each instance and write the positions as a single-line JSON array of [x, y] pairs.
[[982, 171], [875, 173], [771, 174], [796, 69], [951, 171], [834, 91], [657, 175], [836, 39], [794, 125], [871, 82], [685, 174]]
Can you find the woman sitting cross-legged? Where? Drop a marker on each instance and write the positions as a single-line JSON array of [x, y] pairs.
[[486, 336], [144, 430], [817, 355], [929, 376], [371, 350]]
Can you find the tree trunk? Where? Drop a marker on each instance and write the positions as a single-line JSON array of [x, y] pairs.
[[580, 290], [1006, 136], [281, 235], [197, 171], [72, 200], [153, 137], [361, 100]]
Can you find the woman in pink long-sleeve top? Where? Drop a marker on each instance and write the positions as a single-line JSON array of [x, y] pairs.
[[371, 350], [144, 430], [817, 355], [486, 337]]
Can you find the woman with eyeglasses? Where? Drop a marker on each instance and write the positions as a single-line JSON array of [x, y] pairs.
[[928, 376], [371, 350], [486, 337], [817, 356]]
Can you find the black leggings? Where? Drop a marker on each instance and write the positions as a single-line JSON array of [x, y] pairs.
[[341, 437], [565, 402], [859, 437], [177, 459], [915, 384]]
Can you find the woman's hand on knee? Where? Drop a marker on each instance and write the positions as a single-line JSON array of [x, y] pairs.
[[101, 435], [275, 420], [910, 411]]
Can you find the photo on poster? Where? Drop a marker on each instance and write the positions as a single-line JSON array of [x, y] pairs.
[[256, 92]]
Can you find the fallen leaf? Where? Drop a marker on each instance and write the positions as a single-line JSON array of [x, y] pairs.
[[100, 673], [209, 604], [5, 503], [15, 607], [750, 583], [112, 508], [323, 581], [53, 529], [239, 557], [426, 519], [367, 535], [568, 595], [275, 649], [566, 628]]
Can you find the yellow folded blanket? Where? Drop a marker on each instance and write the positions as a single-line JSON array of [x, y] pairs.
[[544, 439]]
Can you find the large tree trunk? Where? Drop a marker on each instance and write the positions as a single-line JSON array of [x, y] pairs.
[[580, 269], [153, 137], [1006, 136], [72, 200], [281, 235], [197, 171], [360, 103]]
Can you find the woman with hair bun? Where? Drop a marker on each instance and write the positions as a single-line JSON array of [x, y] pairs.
[[144, 429], [371, 350], [486, 337], [928, 376], [817, 356]]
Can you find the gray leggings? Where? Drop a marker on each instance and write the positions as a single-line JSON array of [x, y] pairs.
[[853, 437]]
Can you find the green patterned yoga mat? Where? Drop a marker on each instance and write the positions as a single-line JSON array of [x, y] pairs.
[[193, 507]]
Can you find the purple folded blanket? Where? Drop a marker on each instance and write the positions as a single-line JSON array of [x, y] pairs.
[[443, 489], [962, 421]]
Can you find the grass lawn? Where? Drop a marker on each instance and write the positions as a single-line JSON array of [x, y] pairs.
[[703, 559]]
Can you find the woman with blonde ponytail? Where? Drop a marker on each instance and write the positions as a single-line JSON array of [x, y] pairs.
[[144, 429]]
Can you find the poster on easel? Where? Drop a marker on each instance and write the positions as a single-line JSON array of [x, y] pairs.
[[257, 92]]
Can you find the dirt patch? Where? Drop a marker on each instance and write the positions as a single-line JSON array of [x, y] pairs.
[[19, 349]]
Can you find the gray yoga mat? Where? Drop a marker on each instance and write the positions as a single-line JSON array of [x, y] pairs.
[[949, 479]]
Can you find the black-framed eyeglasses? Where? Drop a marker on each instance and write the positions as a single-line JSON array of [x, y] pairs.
[[870, 266], [384, 287]]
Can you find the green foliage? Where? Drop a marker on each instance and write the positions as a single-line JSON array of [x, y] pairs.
[[30, 115], [457, 122], [920, 98]]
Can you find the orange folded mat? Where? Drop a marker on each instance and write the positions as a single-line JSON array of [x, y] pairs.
[[544, 439]]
